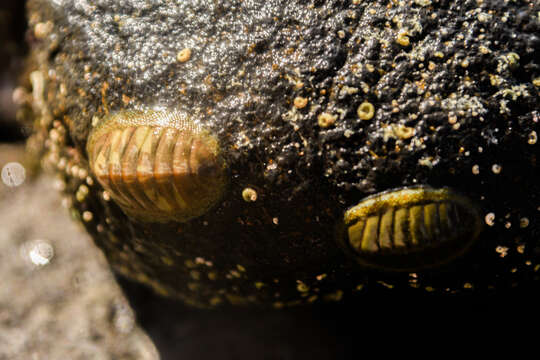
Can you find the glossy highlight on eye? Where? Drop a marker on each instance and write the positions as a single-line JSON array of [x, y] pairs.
[[159, 166]]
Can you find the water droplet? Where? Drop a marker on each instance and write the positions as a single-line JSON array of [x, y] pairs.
[[40, 252], [13, 174]]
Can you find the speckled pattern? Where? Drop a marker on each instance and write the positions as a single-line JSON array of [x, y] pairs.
[[455, 91]]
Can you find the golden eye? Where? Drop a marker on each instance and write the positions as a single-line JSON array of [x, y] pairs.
[[158, 166], [411, 228]]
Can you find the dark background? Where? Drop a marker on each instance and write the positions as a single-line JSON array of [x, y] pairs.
[[12, 51], [331, 331]]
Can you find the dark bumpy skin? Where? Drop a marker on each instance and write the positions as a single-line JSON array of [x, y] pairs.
[[450, 96]]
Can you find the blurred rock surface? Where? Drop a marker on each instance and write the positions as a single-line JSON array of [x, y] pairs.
[[58, 299]]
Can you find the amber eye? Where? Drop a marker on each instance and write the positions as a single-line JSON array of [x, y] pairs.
[[411, 228], [159, 166]]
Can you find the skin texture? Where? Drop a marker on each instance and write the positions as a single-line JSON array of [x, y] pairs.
[[454, 90]]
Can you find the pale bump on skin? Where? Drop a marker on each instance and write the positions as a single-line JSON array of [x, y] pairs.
[[300, 102], [326, 120], [365, 111], [184, 55], [402, 39], [249, 195], [403, 132], [158, 166]]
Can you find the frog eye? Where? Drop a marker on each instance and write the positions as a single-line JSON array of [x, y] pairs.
[[158, 166], [410, 228]]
